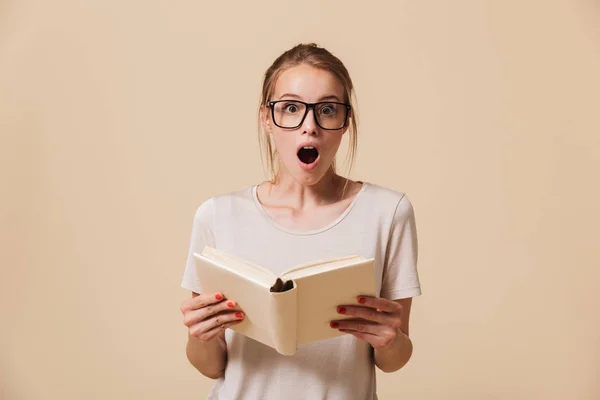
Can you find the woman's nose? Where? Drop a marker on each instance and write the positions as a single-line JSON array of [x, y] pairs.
[[309, 124]]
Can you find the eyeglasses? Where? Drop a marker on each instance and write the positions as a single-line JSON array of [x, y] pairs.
[[290, 114]]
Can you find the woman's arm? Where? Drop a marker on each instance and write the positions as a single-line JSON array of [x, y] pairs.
[[209, 357], [207, 316], [398, 352]]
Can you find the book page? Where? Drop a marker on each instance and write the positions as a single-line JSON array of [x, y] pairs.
[[240, 266], [317, 266]]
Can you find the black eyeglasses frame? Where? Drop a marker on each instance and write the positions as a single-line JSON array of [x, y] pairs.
[[271, 105]]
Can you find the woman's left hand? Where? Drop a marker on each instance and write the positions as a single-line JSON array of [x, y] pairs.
[[377, 321]]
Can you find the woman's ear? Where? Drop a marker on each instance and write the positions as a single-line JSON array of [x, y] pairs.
[[347, 124], [264, 118]]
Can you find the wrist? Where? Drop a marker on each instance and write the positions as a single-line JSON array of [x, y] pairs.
[[208, 357], [395, 355], [399, 342]]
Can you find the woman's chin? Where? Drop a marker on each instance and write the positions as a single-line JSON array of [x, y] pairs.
[[304, 173], [309, 176]]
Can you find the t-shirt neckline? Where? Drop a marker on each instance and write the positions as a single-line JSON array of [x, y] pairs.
[[330, 225]]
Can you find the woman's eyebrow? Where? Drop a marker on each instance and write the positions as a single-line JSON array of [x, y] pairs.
[[295, 96], [289, 95], [330, 97]]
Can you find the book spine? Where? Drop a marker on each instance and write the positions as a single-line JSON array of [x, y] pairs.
[[284, 311]]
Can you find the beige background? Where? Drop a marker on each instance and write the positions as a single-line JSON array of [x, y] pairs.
[[119, 117]]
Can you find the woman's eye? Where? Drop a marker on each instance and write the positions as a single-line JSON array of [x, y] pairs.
[[328, 110], [291, 108]]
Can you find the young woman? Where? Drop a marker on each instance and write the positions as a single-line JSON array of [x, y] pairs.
[[306, 211]]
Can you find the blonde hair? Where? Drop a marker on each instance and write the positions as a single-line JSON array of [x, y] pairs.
[[317, 57]]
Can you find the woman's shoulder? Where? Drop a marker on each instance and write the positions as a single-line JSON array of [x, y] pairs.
[[207, 205], [393, 204], [381, 194]]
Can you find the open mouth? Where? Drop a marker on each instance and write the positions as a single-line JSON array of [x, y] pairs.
[[308, 154]]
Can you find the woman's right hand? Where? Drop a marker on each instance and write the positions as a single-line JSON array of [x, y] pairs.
[[208, 314]]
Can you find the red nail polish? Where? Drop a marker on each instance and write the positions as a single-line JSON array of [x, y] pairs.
[[230, 304], [341, 310], [362, 300], [218, 296], [238, 315], [334, 324]]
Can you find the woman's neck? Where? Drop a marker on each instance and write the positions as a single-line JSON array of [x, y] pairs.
[[289, 191]]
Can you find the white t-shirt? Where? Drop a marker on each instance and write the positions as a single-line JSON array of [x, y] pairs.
[[378, 223]]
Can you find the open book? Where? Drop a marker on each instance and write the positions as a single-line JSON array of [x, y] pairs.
[[292, 309]]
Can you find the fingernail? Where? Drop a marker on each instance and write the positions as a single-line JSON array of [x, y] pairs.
[[341, 310], [334, 324], [362, 300], [230, 304], [238, 315], [218, 296]]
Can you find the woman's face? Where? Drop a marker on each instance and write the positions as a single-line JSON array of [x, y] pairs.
[[307, 151]]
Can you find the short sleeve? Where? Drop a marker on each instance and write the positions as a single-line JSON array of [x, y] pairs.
[[202, 235], [400, 276]]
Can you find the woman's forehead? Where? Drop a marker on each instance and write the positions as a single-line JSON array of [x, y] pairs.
[[308, 83]]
